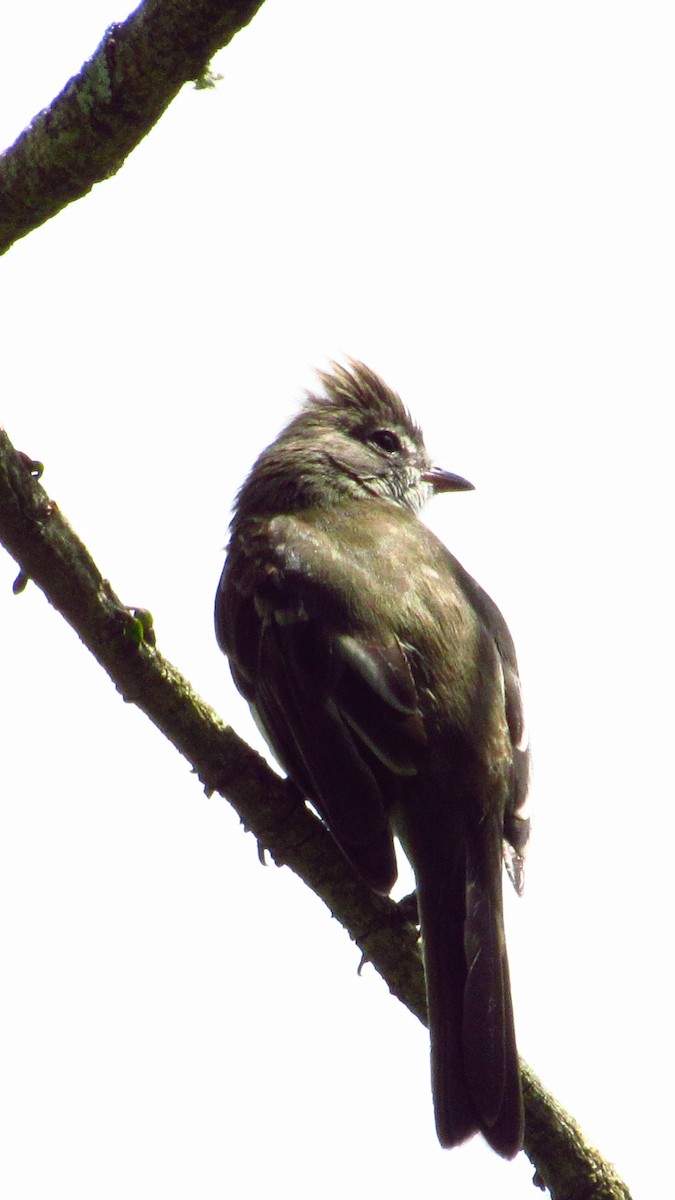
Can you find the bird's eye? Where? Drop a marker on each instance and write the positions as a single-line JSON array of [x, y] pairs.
[[386, 439]]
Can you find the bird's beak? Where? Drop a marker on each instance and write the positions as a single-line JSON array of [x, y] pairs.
[[445, 481]]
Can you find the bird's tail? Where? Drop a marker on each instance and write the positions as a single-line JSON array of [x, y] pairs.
[[474, 1060]]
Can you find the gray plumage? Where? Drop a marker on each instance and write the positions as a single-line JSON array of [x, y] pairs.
[[386, 682]]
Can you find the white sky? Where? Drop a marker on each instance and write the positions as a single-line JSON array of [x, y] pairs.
[[478, 200]]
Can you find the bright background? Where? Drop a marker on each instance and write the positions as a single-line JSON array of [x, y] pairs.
[[476, 199]]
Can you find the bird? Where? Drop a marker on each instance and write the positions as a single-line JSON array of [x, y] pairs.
[[386, 684]]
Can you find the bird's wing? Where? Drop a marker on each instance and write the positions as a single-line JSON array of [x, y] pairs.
[[516, 817], [337, 706]]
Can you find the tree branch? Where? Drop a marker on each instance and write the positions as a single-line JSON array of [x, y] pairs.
[[104, 111], [48, 551]]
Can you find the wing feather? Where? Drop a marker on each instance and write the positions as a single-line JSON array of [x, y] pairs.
[[338, 709]]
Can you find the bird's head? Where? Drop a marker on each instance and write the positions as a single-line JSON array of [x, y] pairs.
[[355, 439]]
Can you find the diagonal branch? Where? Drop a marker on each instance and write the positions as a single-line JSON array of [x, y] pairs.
[[48, 551], [106, 109]]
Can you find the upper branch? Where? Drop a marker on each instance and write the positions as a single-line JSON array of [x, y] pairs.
[[104, 111], [48, 551]]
